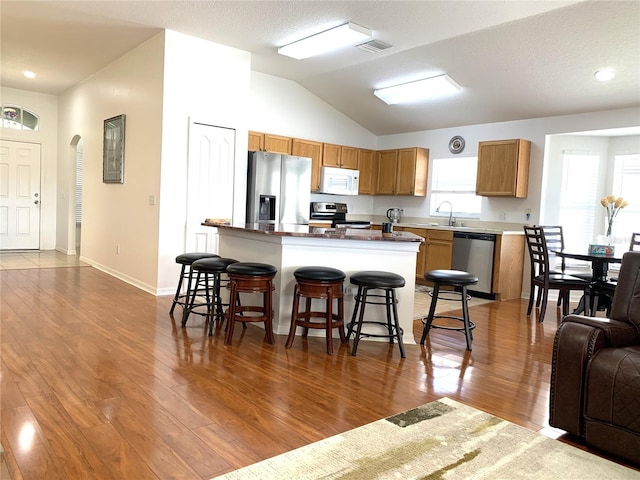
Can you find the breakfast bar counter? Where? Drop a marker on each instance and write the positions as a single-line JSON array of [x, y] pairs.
[[288, 247]]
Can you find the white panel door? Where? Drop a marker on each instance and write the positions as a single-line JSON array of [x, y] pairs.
[[210, 183], [19, 195]]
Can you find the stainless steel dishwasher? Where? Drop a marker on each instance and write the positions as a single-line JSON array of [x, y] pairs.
[[473, 253]]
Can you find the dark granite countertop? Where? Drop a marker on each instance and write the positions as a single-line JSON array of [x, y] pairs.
[[317, 232]]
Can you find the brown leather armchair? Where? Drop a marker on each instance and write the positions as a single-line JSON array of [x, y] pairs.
[[595, 372]]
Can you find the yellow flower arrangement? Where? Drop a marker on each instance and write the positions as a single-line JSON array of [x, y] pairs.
[[613, 206]]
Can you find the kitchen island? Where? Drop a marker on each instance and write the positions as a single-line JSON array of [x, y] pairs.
[[288, 247]]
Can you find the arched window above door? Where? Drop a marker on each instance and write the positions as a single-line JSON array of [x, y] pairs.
[[19, 118]]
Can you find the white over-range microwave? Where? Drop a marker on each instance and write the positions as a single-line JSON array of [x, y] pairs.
[[339, 181]]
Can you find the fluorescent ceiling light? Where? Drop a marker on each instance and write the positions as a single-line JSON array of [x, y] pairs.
[[333, 39], [419, 90], [604, 75], [29, 74]]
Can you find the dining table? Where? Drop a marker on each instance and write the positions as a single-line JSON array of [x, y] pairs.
[[599, 270]]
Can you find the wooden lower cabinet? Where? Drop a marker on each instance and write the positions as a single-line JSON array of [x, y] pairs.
[[508, 264], [435, 253]]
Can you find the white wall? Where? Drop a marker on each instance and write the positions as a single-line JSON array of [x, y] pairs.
[[118, 214], [46, 106], [207, 83], [534, 130]]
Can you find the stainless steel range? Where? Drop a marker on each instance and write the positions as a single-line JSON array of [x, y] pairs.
[[337, 214]]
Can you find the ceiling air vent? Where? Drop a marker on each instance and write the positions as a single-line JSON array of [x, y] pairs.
[[374, 46]]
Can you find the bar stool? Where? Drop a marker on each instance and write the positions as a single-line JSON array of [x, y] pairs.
[[375, 280], [186, 259], [208, 269], [452, 278], [246, 277], [322, 283]]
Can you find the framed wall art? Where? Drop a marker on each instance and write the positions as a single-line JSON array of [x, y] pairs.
[[113, 150]]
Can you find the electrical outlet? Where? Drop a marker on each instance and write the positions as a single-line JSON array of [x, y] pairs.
[[503, 216], [152, 199]]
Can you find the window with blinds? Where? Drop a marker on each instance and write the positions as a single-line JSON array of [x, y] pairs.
[[579, 198], [78, 193], [454, 180], [626, 183]]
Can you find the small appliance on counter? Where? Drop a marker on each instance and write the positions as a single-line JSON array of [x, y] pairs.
[[278, 188], [395, 214], [337, 214]]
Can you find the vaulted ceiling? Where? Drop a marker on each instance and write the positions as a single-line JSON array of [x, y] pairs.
[[514, 59]]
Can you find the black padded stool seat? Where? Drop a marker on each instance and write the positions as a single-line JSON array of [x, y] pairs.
[[372, 280], [249, 277], [206, 268], [324, 283], [186, 259], [452, 278]]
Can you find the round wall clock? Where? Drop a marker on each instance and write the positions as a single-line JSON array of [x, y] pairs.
[[456, 144]]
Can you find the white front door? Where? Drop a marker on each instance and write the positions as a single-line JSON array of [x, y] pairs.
[[210, 183], [19, 195]]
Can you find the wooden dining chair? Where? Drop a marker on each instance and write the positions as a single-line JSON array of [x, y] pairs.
[[544, 280], [554, 237]]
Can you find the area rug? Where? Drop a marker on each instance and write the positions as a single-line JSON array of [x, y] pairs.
[[440, 440]]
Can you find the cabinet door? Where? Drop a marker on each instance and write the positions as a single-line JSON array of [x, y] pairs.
[[412, 171], [422, 252], [277, 144], [349, 158], [387, 168], [366, 165], [313, 150], [256, 142], [439, 250], [331, 155], [503, 168]]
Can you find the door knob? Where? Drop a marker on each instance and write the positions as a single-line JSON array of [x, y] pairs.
[[36, 202]]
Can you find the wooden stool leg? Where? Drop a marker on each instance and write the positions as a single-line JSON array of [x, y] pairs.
[[268, 323], [294, 317], [329, 321], [232, 313]]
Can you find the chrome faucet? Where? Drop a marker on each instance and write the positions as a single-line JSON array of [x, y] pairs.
[[451, 220]]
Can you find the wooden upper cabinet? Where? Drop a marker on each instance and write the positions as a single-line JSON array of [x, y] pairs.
[[503, 168], [367, 168], [339, 156], [412, 171], [277, 144], [403, 172], [349, 157], [387, 166], [331, 155], [256, 142], [313, 150]]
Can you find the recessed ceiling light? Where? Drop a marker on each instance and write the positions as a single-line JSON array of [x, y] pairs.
[[333, 39], [605, 74], [29, 74], [419, 90]]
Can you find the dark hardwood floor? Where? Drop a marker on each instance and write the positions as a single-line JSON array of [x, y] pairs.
[[98, 381]]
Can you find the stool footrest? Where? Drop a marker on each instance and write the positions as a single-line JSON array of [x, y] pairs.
[[391, 335], [472, 325]]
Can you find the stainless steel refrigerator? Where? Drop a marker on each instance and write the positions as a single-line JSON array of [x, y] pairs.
[[278, 188]]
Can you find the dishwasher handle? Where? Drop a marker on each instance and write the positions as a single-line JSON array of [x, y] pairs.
[[490, 237]]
